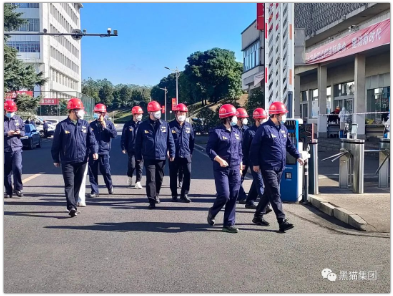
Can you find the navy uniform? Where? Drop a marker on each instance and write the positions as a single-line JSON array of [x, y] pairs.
[[242, 193], [104, 136], [128, 140], [71, 144], [183, 136], [225, 144], [153, 140], [269, 149], [13, 151]]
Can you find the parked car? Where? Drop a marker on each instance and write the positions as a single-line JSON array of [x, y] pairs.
[[39, 123], [32, 137]]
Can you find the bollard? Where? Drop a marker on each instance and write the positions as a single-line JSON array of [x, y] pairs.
[[384, 161], [352, 164], [313, 168]]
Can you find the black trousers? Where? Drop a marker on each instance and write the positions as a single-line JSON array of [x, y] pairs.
[[271, 180], [183, 164], [73, 174], [154, 176], [13, 166], [136, 166]]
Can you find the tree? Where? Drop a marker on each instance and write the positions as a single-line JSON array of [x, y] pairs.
[[256, 99], [106, 94], [27, 104], [125, 95], [91, 88], [214, 74]]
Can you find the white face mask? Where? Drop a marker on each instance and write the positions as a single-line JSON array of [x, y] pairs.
[[157, 115], [80, 114], [245, 121], [181, 118], [284, 118], [96, 115], [138, 117], [10, 115], [234, 121]]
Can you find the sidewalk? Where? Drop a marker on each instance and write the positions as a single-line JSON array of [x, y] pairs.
[[368, 212]]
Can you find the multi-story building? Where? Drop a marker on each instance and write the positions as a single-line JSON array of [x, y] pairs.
[[342, 59], [59, 58]]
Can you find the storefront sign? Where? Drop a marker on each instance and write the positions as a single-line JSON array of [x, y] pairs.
[[260, 16], [49, 101], [370, 37], [13, 95]]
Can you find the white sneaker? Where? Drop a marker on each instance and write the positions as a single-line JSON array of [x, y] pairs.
[[129, 181], [138, 185], [81, 204]]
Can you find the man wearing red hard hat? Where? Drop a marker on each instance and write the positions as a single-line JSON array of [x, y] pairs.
[[268, 153], [14, 129], [104, 131], [72, 141], [128, 138]]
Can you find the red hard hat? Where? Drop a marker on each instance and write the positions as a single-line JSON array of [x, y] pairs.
[[75, 103], [136, 110], [241, 113], [153, 106], [277, 108], [10, 106], [181, 107], [100, 108], [226, 110], [259, 113]]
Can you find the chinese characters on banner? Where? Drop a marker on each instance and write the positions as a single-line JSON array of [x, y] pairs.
[[13, 94], [174, 103], [163, 109], [373, 36], [49, 101], [260, 16]]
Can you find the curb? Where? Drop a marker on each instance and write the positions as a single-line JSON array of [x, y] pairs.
[[341, 214]]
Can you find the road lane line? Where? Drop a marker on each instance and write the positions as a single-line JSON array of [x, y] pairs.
[[31, 178]]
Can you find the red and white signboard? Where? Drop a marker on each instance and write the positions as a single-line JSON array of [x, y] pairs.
[[174, 103], [260, 16], [163, 109], [12, 95], [49, 101], [370, 37]]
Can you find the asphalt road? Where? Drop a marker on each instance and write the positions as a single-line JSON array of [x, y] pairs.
[[117, 245]]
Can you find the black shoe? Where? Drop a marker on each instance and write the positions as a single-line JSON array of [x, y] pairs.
[[94, 195], [180, 185], [185, 199], [19, 193], [174, 198], [242, 201], [260, 221], [7, 196], [285, 225], [152, 206], [73, 212], [210, 218], [230, 229], [250, 206], [110, 190], [268, 210]]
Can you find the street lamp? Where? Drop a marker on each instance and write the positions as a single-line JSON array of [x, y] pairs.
[[177, 88], [165, 91]]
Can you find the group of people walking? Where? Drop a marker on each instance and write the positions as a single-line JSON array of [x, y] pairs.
[[79, 146]]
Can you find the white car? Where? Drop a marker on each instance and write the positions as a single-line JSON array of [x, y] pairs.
[[39, 124]]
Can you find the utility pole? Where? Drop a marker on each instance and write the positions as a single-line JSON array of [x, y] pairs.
[[76, 34], [177, 74], [165, 92]]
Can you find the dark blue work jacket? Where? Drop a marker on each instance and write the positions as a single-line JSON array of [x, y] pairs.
[[270, 145], [153, 140], [246, 144], [128, 136], [103, 135], [72, 142], [13, 143], [184, 138], [226, 144]]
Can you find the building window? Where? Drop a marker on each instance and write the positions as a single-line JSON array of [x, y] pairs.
[[32, 25], [25, 46], [304, 105], [251, 56], [26, 5], [344, 89], [314, 104], [377, 101]]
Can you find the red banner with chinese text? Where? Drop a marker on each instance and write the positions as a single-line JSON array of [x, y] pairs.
[[13, 94], [260, 16], [49, 101], [373, 36]]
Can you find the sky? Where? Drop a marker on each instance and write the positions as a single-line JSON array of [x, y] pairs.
[[157, 35]]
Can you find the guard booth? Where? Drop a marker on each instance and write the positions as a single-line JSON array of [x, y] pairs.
[[292, 177], [294, 180]]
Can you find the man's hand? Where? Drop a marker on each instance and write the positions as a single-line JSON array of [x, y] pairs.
[[95, 156], [56, 164], [242, 166], [256, 168], [300, 161], [172, 159], [124, 152], [103, 123], [223, 163], [10, 133]]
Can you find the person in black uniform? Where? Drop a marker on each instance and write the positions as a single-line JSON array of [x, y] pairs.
[[14, 129], [153, 140], [183, 135], [104, 131], [268, 153], [225, 150], [72, 141], [128, 138]]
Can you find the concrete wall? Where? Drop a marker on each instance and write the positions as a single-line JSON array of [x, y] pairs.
[[250, 35]]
